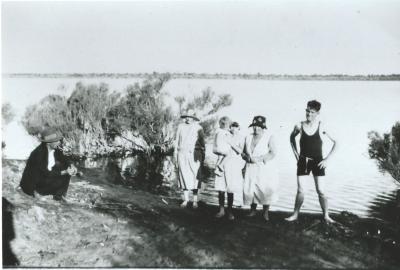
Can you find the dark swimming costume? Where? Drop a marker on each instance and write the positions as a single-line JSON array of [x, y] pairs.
[[310, 154]]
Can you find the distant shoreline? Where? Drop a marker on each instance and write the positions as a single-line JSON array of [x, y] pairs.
[[220, 76]]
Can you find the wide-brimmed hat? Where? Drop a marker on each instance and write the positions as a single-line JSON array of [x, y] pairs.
[[49, 136], [191, 114], [259, 121]]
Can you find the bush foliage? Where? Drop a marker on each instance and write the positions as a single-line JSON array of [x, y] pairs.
[[92, 116], [386, 150], [207, 104], [51, 111], [143, 110], [79, 118], [7, 114]]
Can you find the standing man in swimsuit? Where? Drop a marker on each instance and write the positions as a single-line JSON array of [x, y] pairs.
[[310, 158]]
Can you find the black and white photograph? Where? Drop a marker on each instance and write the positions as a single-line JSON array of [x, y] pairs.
[[201, 134]]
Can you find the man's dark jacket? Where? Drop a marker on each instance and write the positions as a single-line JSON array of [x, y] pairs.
[[36, 174]]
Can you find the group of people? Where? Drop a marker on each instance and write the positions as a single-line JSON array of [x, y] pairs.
[[246, 167]]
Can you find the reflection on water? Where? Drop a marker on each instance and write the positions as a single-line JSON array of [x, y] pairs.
[[126, 170], [386, 207], [117, 169]]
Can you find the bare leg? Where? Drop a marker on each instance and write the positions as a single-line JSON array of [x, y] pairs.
[[323, 201], [299, 201], [185, 198], [221, 200], [265, 212]]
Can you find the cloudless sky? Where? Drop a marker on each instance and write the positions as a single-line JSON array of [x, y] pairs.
[[291, 37]]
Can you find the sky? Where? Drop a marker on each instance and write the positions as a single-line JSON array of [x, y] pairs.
[[281, 37]]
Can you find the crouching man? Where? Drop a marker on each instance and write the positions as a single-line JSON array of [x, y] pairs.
[[47, 171]]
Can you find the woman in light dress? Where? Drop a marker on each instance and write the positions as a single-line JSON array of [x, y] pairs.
[[188, 138], [235, 165], [231, 181], [261, 174]]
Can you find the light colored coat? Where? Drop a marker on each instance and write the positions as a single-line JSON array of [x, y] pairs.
[[188, 168], [261, 179], [231, 180]]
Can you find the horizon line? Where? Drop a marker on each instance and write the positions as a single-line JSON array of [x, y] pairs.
[[195, 73]]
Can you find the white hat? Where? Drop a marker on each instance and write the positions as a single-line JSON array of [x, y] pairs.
[[190, 113]]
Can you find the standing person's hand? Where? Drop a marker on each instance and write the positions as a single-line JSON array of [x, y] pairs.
[[264, 160], [72, 170], [246, 157], [323, 164], [254, 159]]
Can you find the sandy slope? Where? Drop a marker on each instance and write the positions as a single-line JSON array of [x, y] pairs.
[[109, 225]]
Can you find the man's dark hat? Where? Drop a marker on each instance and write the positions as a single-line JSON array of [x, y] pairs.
[[50, 135], [258, 121]]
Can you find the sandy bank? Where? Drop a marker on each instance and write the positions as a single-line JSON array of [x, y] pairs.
[[109, 225]]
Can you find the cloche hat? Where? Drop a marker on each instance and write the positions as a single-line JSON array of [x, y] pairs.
[[259, 121]]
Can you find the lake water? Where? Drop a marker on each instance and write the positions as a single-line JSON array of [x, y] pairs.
[[349, 108]]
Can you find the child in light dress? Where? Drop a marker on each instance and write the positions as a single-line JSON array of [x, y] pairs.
[[222, 145]]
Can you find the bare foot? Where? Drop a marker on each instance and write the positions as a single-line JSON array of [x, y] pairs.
[[195, 205], [220, 214], [266, 216], [329, 220], [252, 213], [184, 204], [231, 216], [292, 218]]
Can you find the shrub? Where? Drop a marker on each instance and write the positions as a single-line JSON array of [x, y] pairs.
[[91, 117], [51, 111], [78, 118], [143, 110], [7, 114], [386, 151]]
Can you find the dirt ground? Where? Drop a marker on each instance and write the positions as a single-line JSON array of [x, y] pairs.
[[108, 225]]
